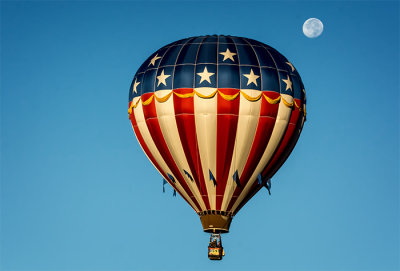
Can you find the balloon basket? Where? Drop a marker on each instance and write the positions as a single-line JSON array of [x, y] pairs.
[[215, 248]]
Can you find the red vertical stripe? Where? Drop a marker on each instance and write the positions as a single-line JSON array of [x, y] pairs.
[[227, 121], [185, 121], [150, 115]]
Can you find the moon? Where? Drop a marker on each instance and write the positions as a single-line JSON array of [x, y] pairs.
[[313, 27]]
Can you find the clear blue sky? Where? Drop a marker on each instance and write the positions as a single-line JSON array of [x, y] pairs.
[[77, 192]]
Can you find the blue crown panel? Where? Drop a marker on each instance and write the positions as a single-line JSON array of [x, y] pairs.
[[184, 76], [139, 88], [207, 53], [139, 79], [247, 55], [264, 57], [281, 61], [157, 59], [297, 89], [170, 56], [250, 77], [199, 62], [295, 73], [223, 53], [270, 79], [228, 76], [286, 86], [188, 54], [148, 81], [131, 93], [166, 82], [212, 79]]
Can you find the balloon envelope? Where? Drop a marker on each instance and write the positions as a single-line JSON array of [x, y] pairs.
[[217, 116]]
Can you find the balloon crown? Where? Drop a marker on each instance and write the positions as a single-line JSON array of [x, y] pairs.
[[220, 62]]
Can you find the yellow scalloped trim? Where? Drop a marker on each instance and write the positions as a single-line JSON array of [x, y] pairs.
[[206, 96], [286, 102], [228, 97], [249, 98], [187, 95], [163, 99], [272, 101], [149, 100], [224, 96]]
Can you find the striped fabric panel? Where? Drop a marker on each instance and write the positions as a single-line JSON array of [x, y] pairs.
[[278, 132], [285, 148], [149, 130], [149, 148]]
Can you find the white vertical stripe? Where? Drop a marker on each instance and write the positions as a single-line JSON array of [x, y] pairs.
[[169, 129], [205, 111], [249, 113], [145, 133], [282, 121]]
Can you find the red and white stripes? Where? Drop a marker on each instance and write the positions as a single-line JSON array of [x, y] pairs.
[[189, 136]]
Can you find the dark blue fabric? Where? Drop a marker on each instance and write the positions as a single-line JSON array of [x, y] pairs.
[[286, 88], [171, 177], [228, 76], [189, 176], [212, 178], [236, 178], [228, 58]]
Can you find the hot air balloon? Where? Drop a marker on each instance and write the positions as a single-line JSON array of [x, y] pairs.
[[217, 116]]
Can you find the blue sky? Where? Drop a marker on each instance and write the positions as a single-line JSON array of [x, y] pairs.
[[77, 192]]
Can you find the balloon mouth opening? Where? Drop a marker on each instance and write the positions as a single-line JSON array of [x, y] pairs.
[[216, 223], [216, 230]]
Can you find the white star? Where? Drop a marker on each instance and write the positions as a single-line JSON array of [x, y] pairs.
[[228, 54], [135, 85], [288, 83], [252, 78], [161, 78], [153, 60], [205, 75], [291, 66]]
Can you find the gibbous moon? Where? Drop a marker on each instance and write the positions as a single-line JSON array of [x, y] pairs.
[[313, 27]]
